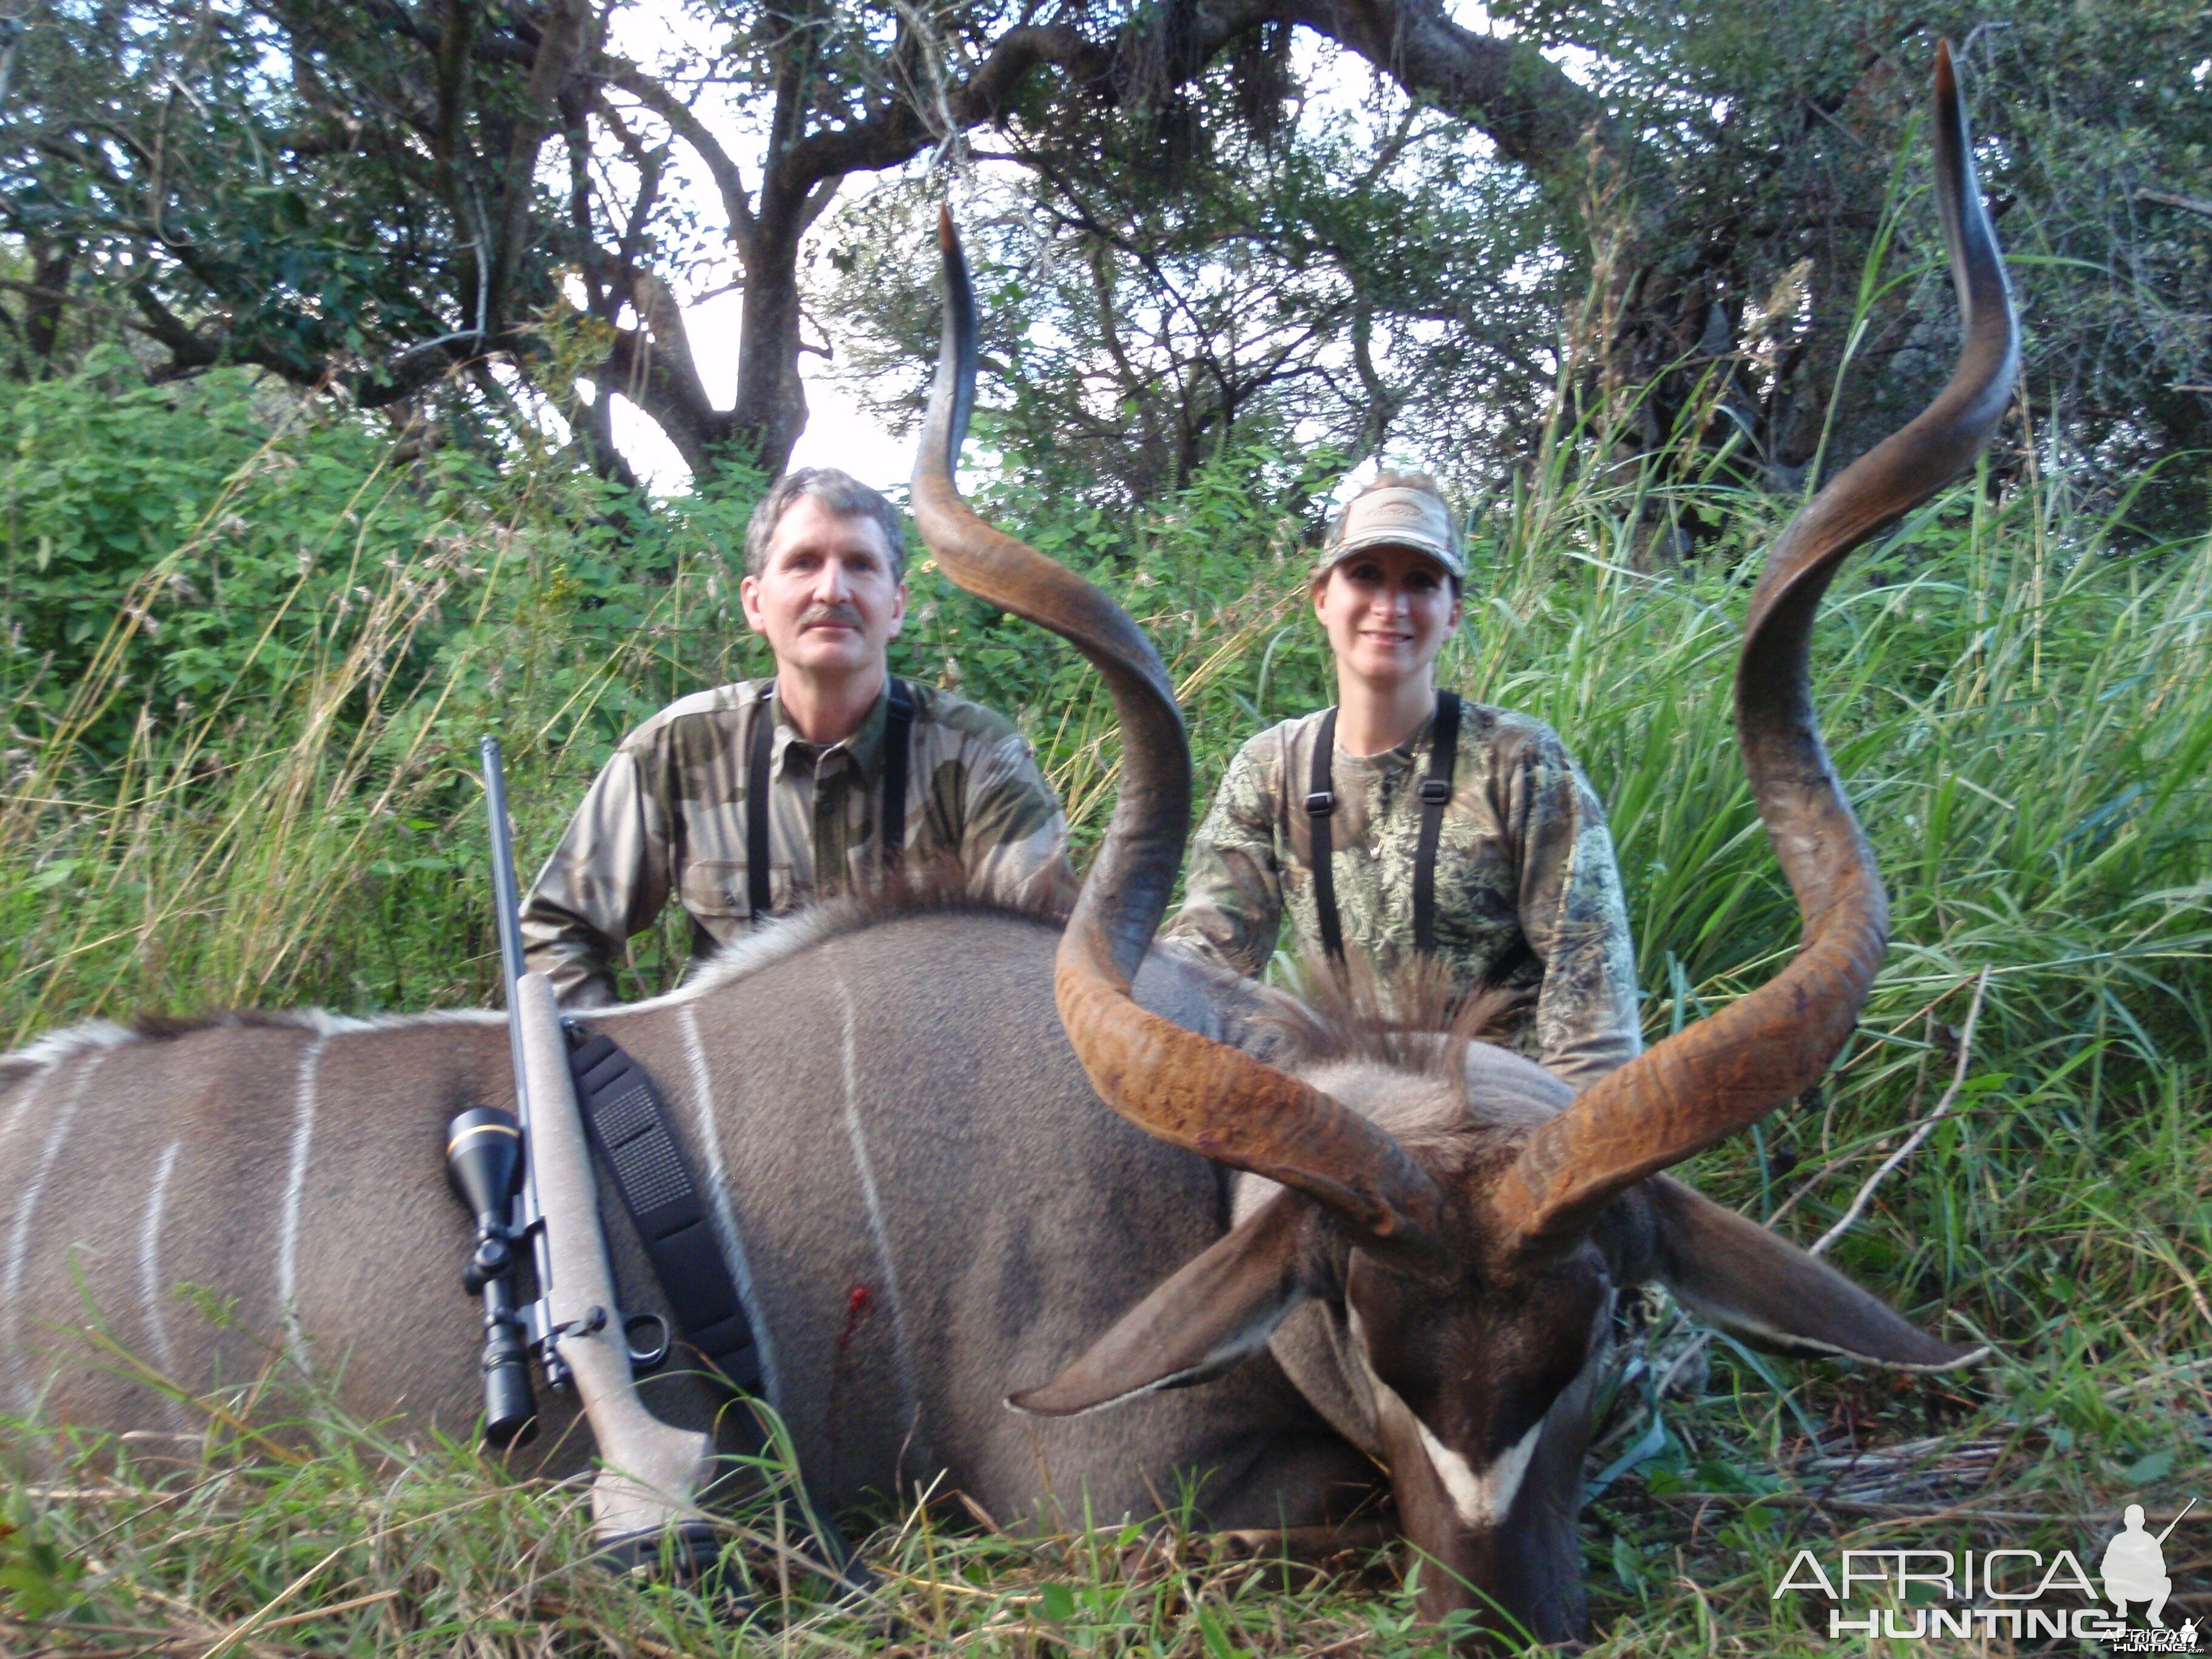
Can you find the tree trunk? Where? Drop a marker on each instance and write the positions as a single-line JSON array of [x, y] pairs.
[[42, 306], [770, 411]]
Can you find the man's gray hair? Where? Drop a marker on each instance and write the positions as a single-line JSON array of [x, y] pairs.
[[843, 494]]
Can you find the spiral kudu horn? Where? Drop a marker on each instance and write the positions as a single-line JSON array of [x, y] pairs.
[[1172, 1083], [1713, 1078]]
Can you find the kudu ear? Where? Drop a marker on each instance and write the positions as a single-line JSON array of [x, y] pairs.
[[1213, 1315], [1732, 1273]]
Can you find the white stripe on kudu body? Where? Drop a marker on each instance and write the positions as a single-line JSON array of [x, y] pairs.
[[149, 1278], [18, 1241], [296, 1185], [718, 1193], [149, 1262], [877, 1230]]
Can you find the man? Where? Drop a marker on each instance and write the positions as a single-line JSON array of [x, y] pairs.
[[2133, 1568], [675, 812], [1405, 823]]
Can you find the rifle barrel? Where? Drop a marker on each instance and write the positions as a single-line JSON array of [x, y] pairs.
[[506, 915], [506, 911], [506, 897], [2176, 1522]]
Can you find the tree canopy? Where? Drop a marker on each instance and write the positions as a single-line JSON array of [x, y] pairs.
[[1350, 226]]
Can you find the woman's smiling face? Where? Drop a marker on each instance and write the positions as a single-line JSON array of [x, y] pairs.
[[1388, 610]]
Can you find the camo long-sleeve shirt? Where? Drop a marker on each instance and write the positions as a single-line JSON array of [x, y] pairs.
[[1524, 855], [666, 817]]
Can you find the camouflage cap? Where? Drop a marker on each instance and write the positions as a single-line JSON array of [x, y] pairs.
[[1396, 515]]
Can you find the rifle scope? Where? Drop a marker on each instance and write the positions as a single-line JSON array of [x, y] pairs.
[[483, 1156]]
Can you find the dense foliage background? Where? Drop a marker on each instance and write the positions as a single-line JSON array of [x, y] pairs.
[[277, 544], [240, 769]]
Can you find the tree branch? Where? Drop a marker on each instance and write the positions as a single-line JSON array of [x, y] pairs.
[[656, 305], [45, 298], [1524, 104], [191, 351], [644, 376], [593, 418], [454, 42], [576, 129], [648, 165], [737, 200], [2196, 204], [898, 133], [418, 365], [497, 47], [560, 48]]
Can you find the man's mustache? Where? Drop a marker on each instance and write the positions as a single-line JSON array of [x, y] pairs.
[[843, 615]]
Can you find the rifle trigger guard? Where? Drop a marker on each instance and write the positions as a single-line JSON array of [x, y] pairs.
[[649, 1338]]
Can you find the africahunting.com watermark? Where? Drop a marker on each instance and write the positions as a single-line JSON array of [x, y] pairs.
[[2018, 1593]]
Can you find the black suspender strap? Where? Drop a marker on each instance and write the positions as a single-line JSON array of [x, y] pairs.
[[1321, 802], [1435, 795], [756, 802], [898, 741], [898, 724]]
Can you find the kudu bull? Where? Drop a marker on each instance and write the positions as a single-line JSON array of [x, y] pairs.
[[911, 1169]]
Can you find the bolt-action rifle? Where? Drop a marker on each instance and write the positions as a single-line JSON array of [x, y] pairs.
[[526, 1176]]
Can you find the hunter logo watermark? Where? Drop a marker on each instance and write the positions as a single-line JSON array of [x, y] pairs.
[[2014, 1593]]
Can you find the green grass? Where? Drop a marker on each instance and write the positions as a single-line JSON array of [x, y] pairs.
[[2019, 697], [222, 1549]]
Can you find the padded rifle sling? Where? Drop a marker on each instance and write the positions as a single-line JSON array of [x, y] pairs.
[[898, 726], [1435, 795], [628, 1125]]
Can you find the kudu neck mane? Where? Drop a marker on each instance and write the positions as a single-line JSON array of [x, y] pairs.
[[936, 889], [1418, 1022]]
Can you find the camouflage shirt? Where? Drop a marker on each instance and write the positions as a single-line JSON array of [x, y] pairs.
[[1524, 856], [667, 815]]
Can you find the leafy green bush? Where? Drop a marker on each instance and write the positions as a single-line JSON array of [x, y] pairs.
[[220, 532]]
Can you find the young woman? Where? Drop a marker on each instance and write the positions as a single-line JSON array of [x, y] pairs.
[[1405, 822]]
